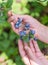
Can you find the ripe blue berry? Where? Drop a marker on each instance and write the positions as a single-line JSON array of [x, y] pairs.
[[22, 33], [19, 20], [16, 26], [27, 26], [18, 23], [32, 32], [35, 39]]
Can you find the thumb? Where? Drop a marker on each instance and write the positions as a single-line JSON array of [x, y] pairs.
[[10, 13]]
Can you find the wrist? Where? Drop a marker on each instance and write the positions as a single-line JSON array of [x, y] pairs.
[[43, 33]]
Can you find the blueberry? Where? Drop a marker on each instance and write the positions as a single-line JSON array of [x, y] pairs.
[[16, 26], [22, 33], [27, 26], [19, 20], [32, 31], [35, 39], [18, 23]]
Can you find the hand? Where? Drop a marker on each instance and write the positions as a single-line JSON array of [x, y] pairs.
[[41, 30], [31, 55], [34, 24], [2, 61]]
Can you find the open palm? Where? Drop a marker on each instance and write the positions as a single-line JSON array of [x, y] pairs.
[[13, 18], [31, 54]]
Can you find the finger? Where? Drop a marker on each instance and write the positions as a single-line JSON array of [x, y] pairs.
[[21, 49], [36, 46], [29, 52], [32, 47], [26, 60], [10, 13], [14, 29], [33, 62], [13, 19], [25, 44], [22, 53], [37, 50]]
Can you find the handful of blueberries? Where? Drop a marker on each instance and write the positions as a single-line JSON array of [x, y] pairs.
[[23, 35]]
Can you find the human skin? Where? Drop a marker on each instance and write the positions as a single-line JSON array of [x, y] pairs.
[[41, 30], [2, 61], [31, 55]]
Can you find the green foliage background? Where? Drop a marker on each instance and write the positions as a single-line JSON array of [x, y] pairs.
[[8, 39]]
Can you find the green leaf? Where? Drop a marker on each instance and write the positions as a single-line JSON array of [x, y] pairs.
[[5, 44], [12, 35], [19, 60], [9, 62], [3, 55], [9, 3], [44, 19], [5, 35], [12, 51]]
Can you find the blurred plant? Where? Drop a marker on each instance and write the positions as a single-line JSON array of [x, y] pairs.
[[8, 39], [44, 20], [5, 6]]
